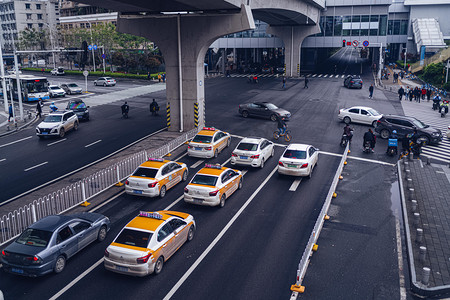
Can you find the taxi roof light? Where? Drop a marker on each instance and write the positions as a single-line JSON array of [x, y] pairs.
[[209, 128], [211, 166], [155, 159], [153, 215]]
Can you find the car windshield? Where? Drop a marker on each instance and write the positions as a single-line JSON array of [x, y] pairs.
[[54, 87], [202, 139], [247, 147], [145, 172], [271, 106], [373, 112], [52, 119], [204, 179], [297, 154], [108, 78], [72, 85], [134, 238], [418, 123], [34, 237], [76, 105]]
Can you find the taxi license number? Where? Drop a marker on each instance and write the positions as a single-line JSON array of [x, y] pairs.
[[198, 148], [196, 200], [292, 166]]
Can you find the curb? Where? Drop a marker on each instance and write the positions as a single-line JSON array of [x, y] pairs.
[[18, 128]]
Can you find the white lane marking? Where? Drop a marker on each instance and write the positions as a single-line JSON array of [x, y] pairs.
[[4, 145], [31, 168], [2, 159], [175, 202], [244, 172], [92, 143], [226, 162], [358, 158], [106, 202], [295, 184], [181, 157], [400, 258], [217, 239], [73, 282], [198, 163], [57, 142]]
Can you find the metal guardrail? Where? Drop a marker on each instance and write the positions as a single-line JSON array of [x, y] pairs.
[[303, 265], [13, 223]]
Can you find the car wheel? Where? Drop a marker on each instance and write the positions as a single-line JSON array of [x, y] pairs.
[[216, 153], [60, 264], [69, 92], [191, 233], [75, 126], [185, 175], [222, 201], [384, 133], [64, 95], [245, 114], [62, 133], [262, 163], [159, 265], [273, 117], [374, 123], [101, 234], [240, 184], [95, 83], [162, 192], [347, 120], [104, 84]]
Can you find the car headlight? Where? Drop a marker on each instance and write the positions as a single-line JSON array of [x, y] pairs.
[[435, 133], [38, 130], [54, 129]]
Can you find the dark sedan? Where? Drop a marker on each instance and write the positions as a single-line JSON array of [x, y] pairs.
[[263, 110], [47, 244], [79, 108], [352, 81]]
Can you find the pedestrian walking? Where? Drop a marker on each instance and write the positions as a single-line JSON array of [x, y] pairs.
[[148, 75], [159, 77], [401, 91], [39, 109], [428, 94], [424, 92], [284, 82], [411, 94], [164, 77], [371, 91], [10, 111], [306, 83]]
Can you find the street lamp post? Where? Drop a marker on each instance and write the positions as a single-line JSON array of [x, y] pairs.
[[51, 42]]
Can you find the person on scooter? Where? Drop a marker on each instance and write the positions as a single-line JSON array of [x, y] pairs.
[[348, 131], [443, 109], [53, 107], [436, 102], [392, 143], [125, 109], [369, 137], [281, 125], [154, 107]]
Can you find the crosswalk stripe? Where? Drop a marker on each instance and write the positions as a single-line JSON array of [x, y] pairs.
[[325, 76], [314, 75], [320, 75], [343, 76]]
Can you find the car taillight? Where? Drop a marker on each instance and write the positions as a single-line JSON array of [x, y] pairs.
[[233, 154], [143, 259], [106, 253], [186, 190], [214, 193], [153, 184], [208, 148], [127, 182], [33, 259], [189, 146], [280, 163], [352, 81], [378, 121], [254, 156], [304, 166], [4, 253]]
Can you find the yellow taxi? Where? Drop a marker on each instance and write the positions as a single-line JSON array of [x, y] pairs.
[[148, 241], [212, 185], [208, 143], [155, 176]]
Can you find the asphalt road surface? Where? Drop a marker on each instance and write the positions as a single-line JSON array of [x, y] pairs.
[[250, 249]]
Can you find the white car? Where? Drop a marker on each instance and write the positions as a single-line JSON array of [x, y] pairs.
[[359, 114], [105, 81], [56, 91], [208, 143], [298, 160], [57, 124], [57, 71], [252, 151], [448, 132]]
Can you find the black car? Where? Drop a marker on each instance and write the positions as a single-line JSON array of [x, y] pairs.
[[352, 81], [263, 110], [405, 125], [79, 108]]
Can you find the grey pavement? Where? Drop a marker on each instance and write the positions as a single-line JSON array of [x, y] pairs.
[[429, 186]]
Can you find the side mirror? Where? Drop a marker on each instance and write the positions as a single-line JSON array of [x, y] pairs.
[[87, 106]]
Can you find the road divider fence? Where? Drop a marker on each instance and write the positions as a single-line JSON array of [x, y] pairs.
[[312, 242], [61, 201]]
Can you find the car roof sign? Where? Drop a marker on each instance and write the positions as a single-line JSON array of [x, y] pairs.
[[211, 166], [153, 215]]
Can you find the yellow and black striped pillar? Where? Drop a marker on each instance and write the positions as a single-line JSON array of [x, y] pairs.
[[168, 114], [284, 71], [196, 114], [298, 69]]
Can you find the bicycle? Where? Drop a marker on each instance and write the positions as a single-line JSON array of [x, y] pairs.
[[286, 134]]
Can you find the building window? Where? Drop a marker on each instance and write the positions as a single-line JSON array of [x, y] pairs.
[[364, 32], [38, 6], [365, 19], [27, 6], [88, 25], [70, 26], [39, 16], [29, 26], [390, 27], [404, 27], [374, 18], [373, 32], [337, 25], [28, 16], [355, 32], [382, 25], [41, 25], [81, 25], [13, 26], [329, 26]]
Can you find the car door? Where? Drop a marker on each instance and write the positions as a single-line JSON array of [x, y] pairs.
[[313, 154], [66, 123], [354, 114], [366, 117], [173, 176], [165, 236], [180, 231], [264, 150], [83, 232], [66, 241]]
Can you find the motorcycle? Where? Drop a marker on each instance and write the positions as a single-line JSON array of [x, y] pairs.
[[435, 104], [252, 79], [444, 110], [392, 147], [344, 140], [367, 148]]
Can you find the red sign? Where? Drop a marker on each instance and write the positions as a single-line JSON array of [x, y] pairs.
[[349, 43]]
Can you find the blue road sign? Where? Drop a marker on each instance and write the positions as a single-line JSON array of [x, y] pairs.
[[90, 47], [95, 47], [103, 56], [366, 43]]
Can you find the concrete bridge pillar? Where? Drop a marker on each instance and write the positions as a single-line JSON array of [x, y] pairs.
[[293, 37], [183, 41]]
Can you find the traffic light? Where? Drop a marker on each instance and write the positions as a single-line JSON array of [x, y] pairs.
[[343, 43], [84, 55]]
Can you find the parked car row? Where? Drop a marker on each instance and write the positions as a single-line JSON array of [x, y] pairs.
[[63, 89]]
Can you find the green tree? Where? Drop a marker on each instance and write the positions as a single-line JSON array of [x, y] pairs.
[[433, 73], [32, 39]]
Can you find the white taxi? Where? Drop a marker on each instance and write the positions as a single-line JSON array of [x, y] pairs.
[[208, 143], [212, 185], [155, 176], [252, 151], [298, 160], [147, 241]]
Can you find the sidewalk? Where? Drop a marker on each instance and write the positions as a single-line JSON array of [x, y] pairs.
[[425, 193]]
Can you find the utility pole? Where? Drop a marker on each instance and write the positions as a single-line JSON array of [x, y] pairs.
[[2, 67], [446, 75]]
